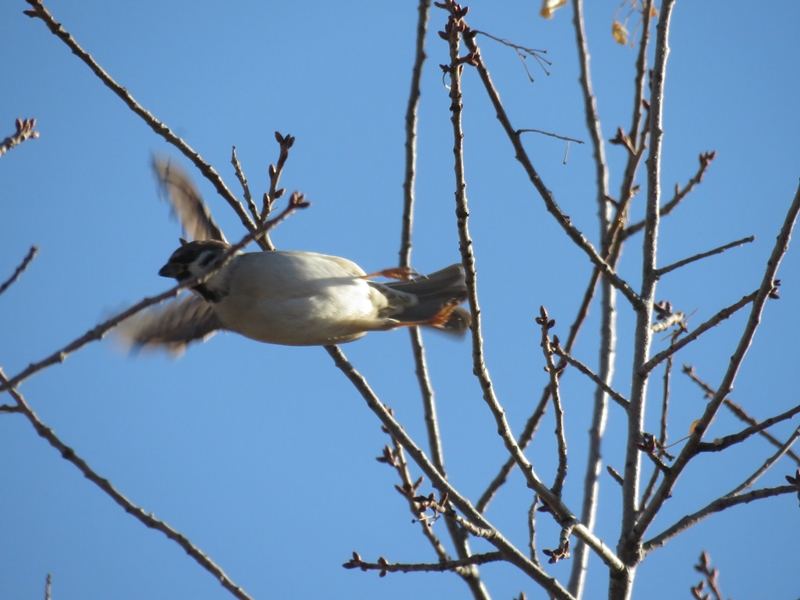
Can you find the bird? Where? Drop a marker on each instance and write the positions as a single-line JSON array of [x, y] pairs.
[[292, 298]]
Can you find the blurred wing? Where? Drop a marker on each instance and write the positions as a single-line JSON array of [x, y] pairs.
[[186, 202], [172, 326]]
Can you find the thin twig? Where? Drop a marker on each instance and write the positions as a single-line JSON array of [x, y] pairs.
[[716, 506], [532, 530], [725, 313], [638, 129], [747, 483], [459, 539], [522, 52], [755, 427], [39, 11], [24, 132], [664, 270], [145, 518], [99, 331], [662, 434], [395, 457], [383, 566], [555, 135], [729, 440], [615, 395], [680, 194], [245, 188], [546, 324], [34, 250], [411, 120], [709, 576], [47, 585]]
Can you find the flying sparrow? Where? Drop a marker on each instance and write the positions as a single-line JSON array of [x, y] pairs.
[[283, 297]]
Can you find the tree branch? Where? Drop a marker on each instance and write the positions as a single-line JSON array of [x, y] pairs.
[[705, 161], [24, 131], [552, 207], [138, 513], [755, 426], [511, 553], [451, 565], [34, 250], [690, 449], [725, 313], [716, 506], [615, 395], [664, 270], [39, 11]]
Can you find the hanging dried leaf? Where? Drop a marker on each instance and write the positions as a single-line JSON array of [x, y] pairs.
[[549, 6], [620, 33]]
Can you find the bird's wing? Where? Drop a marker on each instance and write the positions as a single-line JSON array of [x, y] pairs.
[[172, 326], [186, 202]]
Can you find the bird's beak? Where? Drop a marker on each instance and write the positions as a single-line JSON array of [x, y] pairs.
[[174, 270]]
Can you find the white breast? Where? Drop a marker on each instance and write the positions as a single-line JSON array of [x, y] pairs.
[[298, 298]]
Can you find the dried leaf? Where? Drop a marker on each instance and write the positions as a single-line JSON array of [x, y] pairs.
[[549, 6], [620, 33]]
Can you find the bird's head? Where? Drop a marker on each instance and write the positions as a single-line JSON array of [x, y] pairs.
[[192, 258]]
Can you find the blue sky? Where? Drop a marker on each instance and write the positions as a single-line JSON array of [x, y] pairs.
[[264, 455]]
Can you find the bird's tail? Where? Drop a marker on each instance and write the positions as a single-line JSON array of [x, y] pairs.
[[438, 297]]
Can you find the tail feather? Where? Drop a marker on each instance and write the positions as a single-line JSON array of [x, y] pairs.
[[435, 293]]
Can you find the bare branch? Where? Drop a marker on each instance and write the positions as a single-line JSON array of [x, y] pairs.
[[532, 530], [709, 576], [747, 483], [146, 519], [664, 270], [245, 188], [511, 553], [98, 332], [24, 132], [716, 506], [384, 567], [755, 426], [555, 135], [455, 26], [522, 52], [620, 587], [39, 11], [642, 131], [552, 207], [411, 134], [395, 457], [533, 421], [725, 313], [546, 324], [705, 161], [34, 250], [285, 142], [615, 395]]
